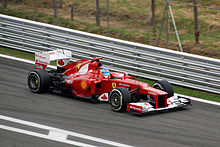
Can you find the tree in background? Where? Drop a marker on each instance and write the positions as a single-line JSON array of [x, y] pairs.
[[98, 11], [61, 4], [19, 1], [153, 17], [4, 5], [196, 21]]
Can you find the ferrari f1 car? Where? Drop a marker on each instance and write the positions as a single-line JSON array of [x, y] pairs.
[[88, 79]]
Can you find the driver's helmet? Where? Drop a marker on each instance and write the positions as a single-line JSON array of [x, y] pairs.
[[105, 72]]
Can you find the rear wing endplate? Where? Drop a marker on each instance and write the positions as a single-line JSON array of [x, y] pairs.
[[42, 59]]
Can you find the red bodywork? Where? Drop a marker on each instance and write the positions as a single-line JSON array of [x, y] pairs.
[[85, 80]]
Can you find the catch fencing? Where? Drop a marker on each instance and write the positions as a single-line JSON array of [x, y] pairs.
[[141, 60]]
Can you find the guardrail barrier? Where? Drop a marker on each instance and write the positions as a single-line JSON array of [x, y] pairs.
[[141, 60]]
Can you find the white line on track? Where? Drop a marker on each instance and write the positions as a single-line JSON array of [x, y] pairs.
[[17, 130], [32, 62], [55, 134], [201, 100], [22, 60]]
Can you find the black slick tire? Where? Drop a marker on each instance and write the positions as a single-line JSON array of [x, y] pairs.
[[119, 97], [38, 81], [164, 85]]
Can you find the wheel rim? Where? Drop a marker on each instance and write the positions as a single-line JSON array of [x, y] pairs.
[[33, 82], [116, 100], [158, 86]]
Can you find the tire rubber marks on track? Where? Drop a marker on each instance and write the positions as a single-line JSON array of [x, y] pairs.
[[55, 134]]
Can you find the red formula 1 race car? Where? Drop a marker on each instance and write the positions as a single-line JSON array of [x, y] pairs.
[[88, 79]]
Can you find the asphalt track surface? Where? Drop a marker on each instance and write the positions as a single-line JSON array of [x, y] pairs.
[[194, 126]]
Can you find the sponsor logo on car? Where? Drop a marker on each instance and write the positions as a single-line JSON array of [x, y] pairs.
[[149, 88], [144, 85], [78, 66], [69, 82], [42, 62], [152, 93], [42, 57], [146, 104], [135, 108], [60, 62], [113, 85], [38, 66], [121, 84], [83, 85], [104, 97]]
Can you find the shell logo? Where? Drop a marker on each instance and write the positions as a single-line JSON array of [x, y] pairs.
[[36, 55], [83, 85]]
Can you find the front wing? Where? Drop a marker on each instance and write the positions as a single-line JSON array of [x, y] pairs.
[[172, 102]]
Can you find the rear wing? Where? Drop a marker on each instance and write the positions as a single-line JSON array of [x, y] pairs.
[[42, 59]]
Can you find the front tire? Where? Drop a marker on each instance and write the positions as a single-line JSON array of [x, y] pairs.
[[164, 85], [119, 97], [38, 80]]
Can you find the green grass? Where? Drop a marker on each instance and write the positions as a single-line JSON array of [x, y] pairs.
[[19, 54], [177, 89], [16, 53], [81, 25]]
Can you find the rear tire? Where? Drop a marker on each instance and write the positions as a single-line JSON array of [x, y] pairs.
[[38, 80], [119, 97], [164, 85]]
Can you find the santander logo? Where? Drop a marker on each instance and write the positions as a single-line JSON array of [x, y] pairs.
[[60, 62], [104, 97]]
